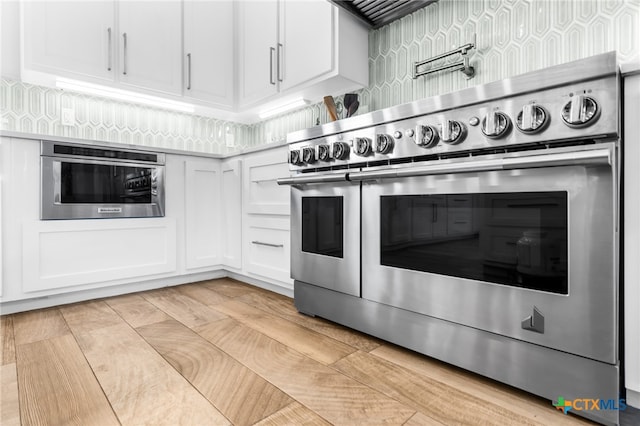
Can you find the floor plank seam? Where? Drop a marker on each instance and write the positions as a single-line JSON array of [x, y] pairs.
[[84, 355]]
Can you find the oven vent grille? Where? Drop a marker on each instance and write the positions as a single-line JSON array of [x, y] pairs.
[[377, 13]]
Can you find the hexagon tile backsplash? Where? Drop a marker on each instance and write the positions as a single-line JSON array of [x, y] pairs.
[[512, 37]]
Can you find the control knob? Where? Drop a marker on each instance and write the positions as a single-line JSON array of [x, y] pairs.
[[532, 119], [341, 150], [453, 132], [323, 152], [580, 111], [362, 146], [495, 124], [384, 144], [294, 158], [426, 136], [308, 155]]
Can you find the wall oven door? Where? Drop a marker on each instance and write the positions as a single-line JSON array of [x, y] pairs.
[[522, 245], [85, 182], [325, 225]]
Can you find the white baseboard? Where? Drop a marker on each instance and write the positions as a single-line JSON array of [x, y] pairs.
[[282, 289], [633, 398], [12, 307]]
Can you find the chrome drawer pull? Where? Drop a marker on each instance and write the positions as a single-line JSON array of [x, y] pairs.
[[260, 243]]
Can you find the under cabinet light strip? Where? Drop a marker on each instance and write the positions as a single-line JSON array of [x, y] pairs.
[[295, 103], [122, 95]]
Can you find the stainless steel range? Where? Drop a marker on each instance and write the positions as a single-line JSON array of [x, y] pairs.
[[477, 227]]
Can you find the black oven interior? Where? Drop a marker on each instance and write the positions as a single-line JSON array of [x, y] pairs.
[[516, 239], [86, 183]]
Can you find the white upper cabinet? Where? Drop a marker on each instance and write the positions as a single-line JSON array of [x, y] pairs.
[[229, 58], [135, 44], [305, 48], [208, 52], [150, 45], [287, 46], [71, 38], [257, 47]]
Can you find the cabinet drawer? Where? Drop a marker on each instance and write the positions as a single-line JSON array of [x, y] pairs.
[[268, 247], [262, 194]]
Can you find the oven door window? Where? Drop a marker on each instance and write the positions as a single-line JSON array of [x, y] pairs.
[[514, 239], [322, 226], [88, 183]]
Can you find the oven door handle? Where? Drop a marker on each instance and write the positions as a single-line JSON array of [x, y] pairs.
[[587, 157], [304, 180]]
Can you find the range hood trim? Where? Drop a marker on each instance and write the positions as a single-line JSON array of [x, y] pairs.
[[378, 13]]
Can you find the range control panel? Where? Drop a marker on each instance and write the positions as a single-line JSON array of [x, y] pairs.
[[579, 111]]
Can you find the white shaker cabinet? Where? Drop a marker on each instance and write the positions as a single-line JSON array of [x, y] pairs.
[[131, 44], [70, 38], [208, 52], [257, 49], [231, 213], [266, 212], [308, 48], [150, 45], [202, 213]]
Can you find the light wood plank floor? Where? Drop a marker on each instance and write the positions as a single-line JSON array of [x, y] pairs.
[[223, 352]]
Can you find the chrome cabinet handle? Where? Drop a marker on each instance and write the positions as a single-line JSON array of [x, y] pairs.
[[260, 243], [124, 54], [280, 65], [272, 51], [188, 71], [109, 49]]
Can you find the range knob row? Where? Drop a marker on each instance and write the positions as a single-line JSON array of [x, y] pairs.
[[325, 152], [580, 111]]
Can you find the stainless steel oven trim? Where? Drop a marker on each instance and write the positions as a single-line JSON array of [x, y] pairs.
[[586, 156], [47, 150], [50, 187], [584, 323], [339, 274], [545, 372]]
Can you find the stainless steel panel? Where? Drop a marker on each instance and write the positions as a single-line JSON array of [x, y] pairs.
[[52, 208], [340, 274], [571, 73], [542, 371], [584, 322], [605, 91]]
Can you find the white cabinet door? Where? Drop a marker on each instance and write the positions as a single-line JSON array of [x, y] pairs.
[[150, 42], [262, 194], [208, 51], [268, 247], [306, 41], [70, 38], [202, 217], [231, 206], [257, 48]]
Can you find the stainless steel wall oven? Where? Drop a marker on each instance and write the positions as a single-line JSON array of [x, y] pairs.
[[479, 227], [90, 181]]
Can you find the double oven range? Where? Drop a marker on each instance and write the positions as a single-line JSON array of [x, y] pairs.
[[478, 227]]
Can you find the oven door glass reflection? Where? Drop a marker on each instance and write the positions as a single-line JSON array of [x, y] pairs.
[[516, 239], [322, 226]]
